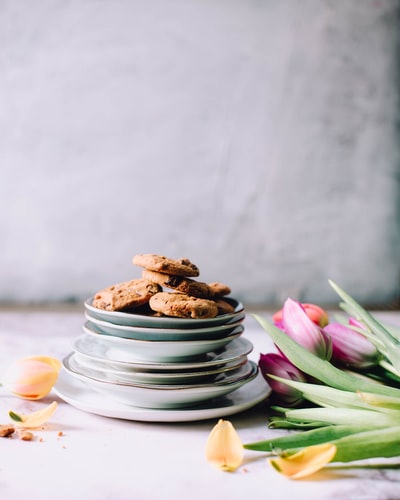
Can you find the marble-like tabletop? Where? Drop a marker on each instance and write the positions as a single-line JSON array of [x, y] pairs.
[[81, 455]]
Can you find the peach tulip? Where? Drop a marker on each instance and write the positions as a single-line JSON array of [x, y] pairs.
[[32, 377]]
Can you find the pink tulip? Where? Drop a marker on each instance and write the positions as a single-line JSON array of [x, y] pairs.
[[278, 365], [350, 347], [32, 378], [318, 315], [297, 324]]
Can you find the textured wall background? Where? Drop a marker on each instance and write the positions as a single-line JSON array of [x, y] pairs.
[[257, 138]]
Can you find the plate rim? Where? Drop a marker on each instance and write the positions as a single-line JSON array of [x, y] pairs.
[[178, 332], [124, 342], [169, 375], [244, 401], [248, 348], [252, 371], [162, 336]]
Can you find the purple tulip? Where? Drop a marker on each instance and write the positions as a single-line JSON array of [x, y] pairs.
[[278, 365], [350, 347], [297, 324]]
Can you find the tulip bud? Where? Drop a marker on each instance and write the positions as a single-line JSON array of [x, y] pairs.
[[297, 324], [280, 366], [33, 377], [350, 347], [317, 315], [224, 448]]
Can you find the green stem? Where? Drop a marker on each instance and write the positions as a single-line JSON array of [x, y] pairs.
[[380, 443], [306, 438]]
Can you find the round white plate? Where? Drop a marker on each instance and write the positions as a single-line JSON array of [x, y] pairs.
[[157, 350], [134, 319], [143, 333], [92, 348], [163, 396], [156, 378], [79, 395]]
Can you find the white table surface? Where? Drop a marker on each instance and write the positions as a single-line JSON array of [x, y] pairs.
[[98, 458]]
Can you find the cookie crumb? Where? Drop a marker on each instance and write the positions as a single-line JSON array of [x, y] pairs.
[[26, 435], [6, 430]]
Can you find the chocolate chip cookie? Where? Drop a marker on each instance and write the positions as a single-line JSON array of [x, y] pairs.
[[161, 264], [183, 306], [179, 283], [218, 289], [128, 294], [224, 307]]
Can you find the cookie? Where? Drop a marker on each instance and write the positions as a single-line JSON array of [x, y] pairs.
[[161, 264], [183, 306], [125, 295], [179, 283], [224, 307], [218, 289]]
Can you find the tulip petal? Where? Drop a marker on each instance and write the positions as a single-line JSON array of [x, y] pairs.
[[224, 448], [305, 462], [35, 419]]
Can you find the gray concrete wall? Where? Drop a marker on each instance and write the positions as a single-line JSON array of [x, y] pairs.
[[257, 138]]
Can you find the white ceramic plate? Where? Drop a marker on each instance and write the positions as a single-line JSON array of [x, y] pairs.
[[165, 396], [79, 395], [154, 350], [93, 349], [143, 333], [134, 319], [133, 376]]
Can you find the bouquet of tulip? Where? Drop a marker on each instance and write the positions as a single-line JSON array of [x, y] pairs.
[[335, 384]]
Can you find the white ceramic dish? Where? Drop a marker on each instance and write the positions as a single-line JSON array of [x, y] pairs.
[[143, 333], [78, 394], [134, 319], [133, 376], [165, 396], [153, 350], [91, 347]]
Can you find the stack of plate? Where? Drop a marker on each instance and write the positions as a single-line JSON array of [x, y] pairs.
[[141, 361]]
